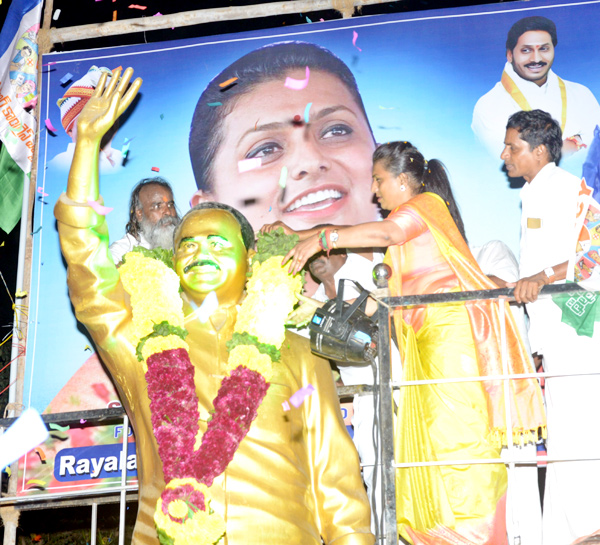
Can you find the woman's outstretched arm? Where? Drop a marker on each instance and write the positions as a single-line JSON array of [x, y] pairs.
[[376, 234]]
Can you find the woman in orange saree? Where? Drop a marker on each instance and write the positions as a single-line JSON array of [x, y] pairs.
[[424, 234]]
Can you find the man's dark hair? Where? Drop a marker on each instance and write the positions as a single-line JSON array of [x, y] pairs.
[[133, 226], [537, 127], [535, 22], [268, 63], [245, 227]]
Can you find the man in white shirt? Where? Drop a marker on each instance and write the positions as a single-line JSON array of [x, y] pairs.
[[533, 144], [529, 83], [152, 218], [523, 508]]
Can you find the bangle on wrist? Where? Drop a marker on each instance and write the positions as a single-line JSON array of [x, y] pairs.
[[323, 241]]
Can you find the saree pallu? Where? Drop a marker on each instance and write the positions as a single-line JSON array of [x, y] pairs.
[[444, 422], [463, 504]]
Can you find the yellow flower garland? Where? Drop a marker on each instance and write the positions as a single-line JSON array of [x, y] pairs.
[[155, 298]]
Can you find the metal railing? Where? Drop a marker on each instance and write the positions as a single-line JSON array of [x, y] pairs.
[[383, 390]]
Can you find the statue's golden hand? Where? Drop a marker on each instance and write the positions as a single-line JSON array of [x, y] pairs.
[[106, 105]]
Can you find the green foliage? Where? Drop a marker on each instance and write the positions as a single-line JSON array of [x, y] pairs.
[[247, 339], [166, 256], [164, 329], [164, 538], [275, 243]]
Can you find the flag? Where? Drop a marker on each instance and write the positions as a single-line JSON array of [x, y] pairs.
[[18, 93], [582, 310]]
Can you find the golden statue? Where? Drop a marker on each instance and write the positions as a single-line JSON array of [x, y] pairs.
[[295, 477]]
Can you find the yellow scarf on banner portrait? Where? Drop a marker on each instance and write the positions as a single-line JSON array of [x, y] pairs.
[[527, 408], [519, 98]]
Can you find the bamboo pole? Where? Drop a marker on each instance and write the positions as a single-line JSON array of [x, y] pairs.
[[197, 17]]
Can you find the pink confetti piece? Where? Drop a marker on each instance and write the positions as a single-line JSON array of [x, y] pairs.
[[99, 209], [41, 192], [298, 397], [157, 14], [286, 406], [49, 64], [354, 36], [82, 421], [49, 125], [297, 84], [136, 6], [249, 164], [322, 20]]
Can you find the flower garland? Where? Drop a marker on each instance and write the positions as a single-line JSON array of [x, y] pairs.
[[183, 514]]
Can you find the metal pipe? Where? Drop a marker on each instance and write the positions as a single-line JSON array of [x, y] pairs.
[[123, 503], [386, 427], [195, 17], [94, 529]]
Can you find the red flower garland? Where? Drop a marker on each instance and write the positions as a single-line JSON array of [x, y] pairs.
[[174, 407]]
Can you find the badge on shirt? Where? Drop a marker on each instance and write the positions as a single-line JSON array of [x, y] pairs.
[[534, 223]]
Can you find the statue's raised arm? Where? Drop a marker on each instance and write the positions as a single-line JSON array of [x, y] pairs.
[[96, 118]]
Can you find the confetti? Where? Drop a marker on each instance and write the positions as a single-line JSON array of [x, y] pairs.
[[157, 14], [25, 434], [20, 294], [227, 83], [297, 84], [114, 14], [36, 482], [286, 406], [56, 15], [41, 454], [87, 347], [162, 116], [136, 6], [384, 108], [37, 230], [49, 63], [58, 427], [270, 208], [322, 20], [354, 36], [249, 164], [41, 190], [212, 104], [82, 421], [208, 306], [99, 209], [298, 397], [283, 177], [306, 110], [7, 470], [66, 78], [49, 125], [307, 19], [155, 169]]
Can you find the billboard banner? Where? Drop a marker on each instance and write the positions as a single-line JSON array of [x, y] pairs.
[[211, 109]]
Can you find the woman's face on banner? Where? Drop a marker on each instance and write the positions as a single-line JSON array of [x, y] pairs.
[[309, 172]]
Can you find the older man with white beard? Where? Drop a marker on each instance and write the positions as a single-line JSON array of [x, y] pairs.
[[152, 218]]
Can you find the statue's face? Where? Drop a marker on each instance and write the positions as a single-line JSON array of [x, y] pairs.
[[210, 256]]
